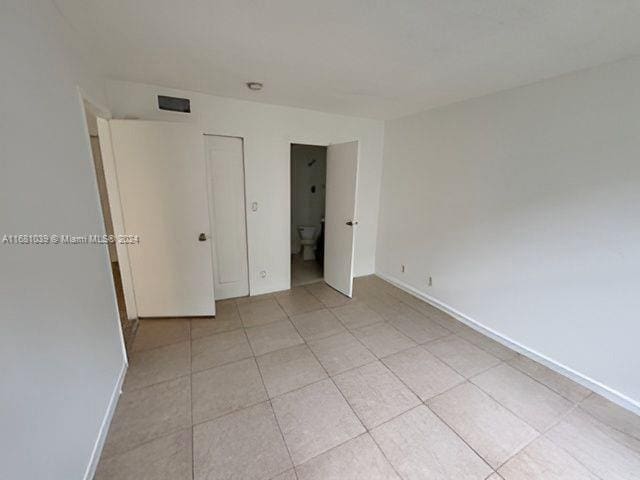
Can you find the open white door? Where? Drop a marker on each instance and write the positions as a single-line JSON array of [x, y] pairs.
[[340, 211], [113, 196], [163, 190], [225, 169]]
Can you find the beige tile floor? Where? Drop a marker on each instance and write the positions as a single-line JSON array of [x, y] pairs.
[[307, 384]]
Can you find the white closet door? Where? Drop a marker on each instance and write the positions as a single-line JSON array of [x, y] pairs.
[[163, 190], [225, 165], [340, 211]]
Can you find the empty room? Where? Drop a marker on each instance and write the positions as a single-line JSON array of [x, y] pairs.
[[339, 240]]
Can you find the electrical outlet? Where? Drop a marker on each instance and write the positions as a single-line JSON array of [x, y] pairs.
[[430, 282], [402, 268]]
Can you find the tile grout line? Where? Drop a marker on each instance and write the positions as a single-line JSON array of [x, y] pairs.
[[500, 361], [539, 434], [373, 438], [570, 409], [144, 350], [311, 383], [544, 435], [288, 317], [538, 437], [508, 362], [455, 432], [323, 303], [393, 327], [336, 387], [216, 319], [171, 432], [605, 423], [193, 372], [379, 359], [269, 398], [427, 406], [574, 404], [562, 419], [366, 429], [266, 391], [146, 442], [275, 418], [155, 384], [328, 377], [467, 380]]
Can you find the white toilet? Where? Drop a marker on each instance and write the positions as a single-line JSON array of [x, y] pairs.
[[308, 241]]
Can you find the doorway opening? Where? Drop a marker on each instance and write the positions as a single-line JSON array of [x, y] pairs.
[[128, 327], [308, 195]]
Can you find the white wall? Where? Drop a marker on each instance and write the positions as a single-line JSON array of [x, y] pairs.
[[524, 208], [60, 343], [268, 131], [307, 207]]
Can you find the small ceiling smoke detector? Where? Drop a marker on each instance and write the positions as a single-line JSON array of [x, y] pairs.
[[255, 86]]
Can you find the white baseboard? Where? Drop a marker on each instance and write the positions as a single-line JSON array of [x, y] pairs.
[[104, 427], [598, 387]]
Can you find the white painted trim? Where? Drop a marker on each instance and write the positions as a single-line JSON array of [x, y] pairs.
[[598, 387], [83, 101], [104, 427], [117, 218], [319, 141], [98, 109]]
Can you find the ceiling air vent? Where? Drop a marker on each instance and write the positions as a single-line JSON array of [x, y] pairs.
[[174, 104]]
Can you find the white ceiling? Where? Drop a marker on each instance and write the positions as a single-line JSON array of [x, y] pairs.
[[372, 58]]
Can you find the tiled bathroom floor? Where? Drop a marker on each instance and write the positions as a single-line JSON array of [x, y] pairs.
[[304, 272], [307, 384]]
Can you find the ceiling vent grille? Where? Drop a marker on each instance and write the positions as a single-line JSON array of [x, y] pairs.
[[174, 104]]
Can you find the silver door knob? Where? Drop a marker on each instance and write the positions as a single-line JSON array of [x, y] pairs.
[[351, 223]]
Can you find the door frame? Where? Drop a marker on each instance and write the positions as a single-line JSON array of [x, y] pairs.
[[103, 112], [320, 141], [110, 173], [210, 201]]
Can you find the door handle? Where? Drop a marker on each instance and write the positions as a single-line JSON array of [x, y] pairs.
[[351, 223], [202, 237]]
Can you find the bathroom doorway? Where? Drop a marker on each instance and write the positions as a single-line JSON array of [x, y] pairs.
[[308, 192]]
